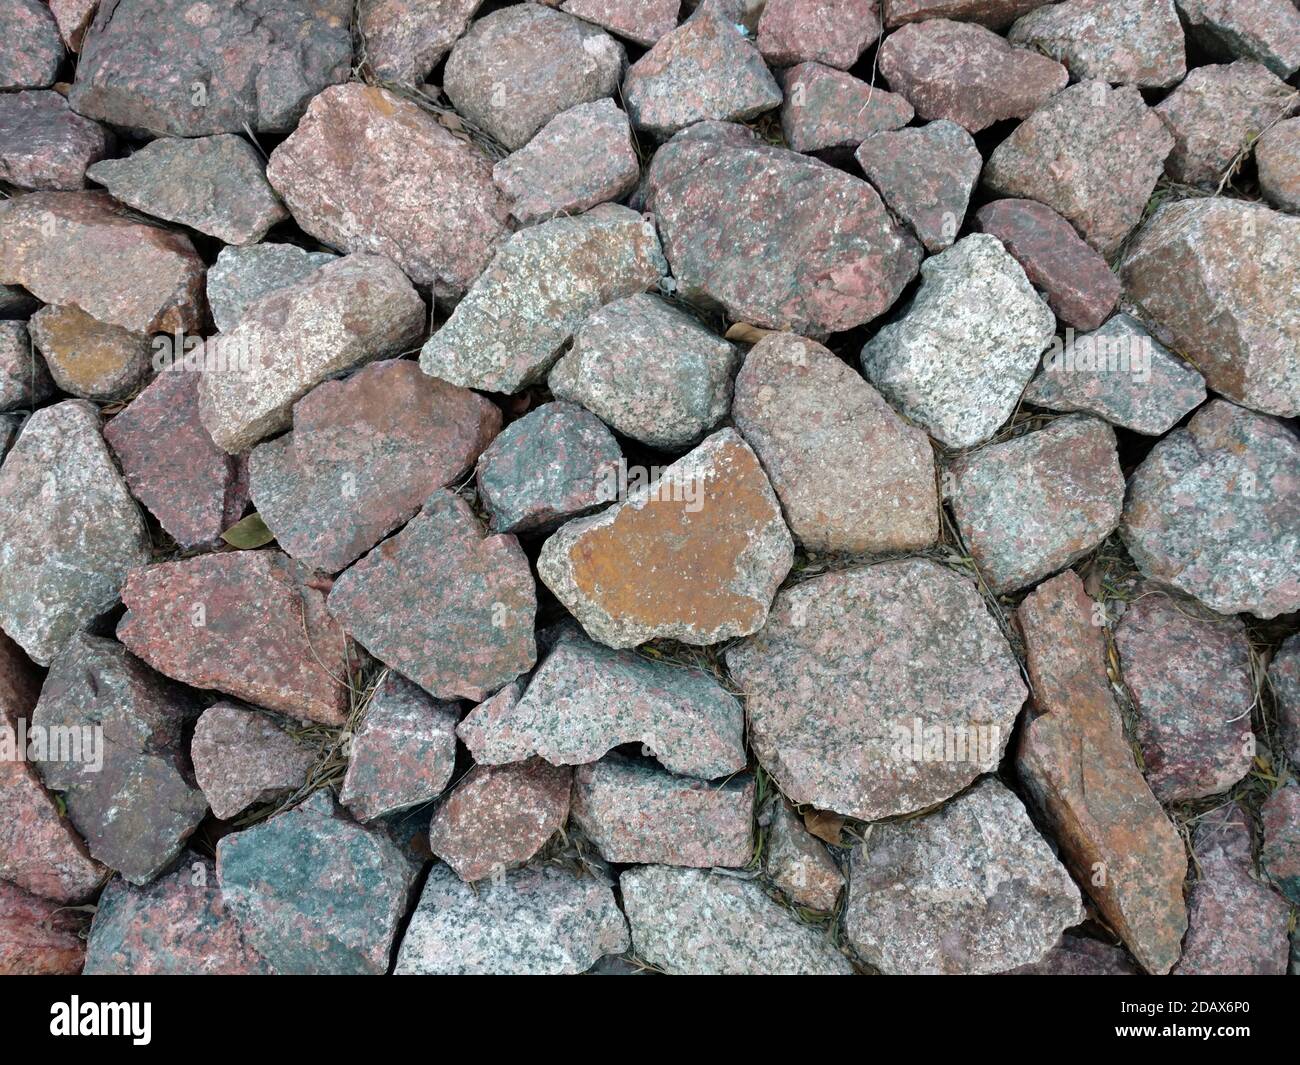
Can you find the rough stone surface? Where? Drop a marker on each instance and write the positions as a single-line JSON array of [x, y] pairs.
[[446, 605], [403, 754], [1280, 853], [833, 32], [44, 144], [649, 370], [242, 276], [851, 475], [519, 67], [1277, 160], [1076, 956], [537, 921], [1216, 279], [694, 922], [364, 454], [258, 62], [315, 892], [24, 378], [695, 556], [798, 863], [586, 699], [1284, 676], [642, 21], [878, 690], [58, 573], [1264, 30], [542, 284], [404, 39], [74, 18], [251, 624], [1038, 503], [1214, 510], [827, 108], [37, 936], [499, 816], [1062, 156], [88, 358], [966, 73], [10, 424], [243, 756], [367, 170], [31, 51], [996, 14], [958, 360], [1078, 768]]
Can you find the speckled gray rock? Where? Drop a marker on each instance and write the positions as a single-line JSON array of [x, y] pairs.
[[1036, 504], [541, 920], [827, 108], [1265, 30], [316, 892], [542, 284], [694, 922], [1279, 854], [25, 380], [970, 889], [44, 144], [69, 529], [1284, 676], [519, 67], [959, 358], [642, 21], [31, 51], [91, 359], [133, 799], [695, 555], [1277, 161], [553, 464], [649, 370], [586, 699], [851, 475], [1215, 114], [1062, 156], [1126, 42], [798, 863], [242, 276], [243, 756], [74, 18], [404, 39], [1214, 510], [878, 690], [1119, 372], [834, 32]]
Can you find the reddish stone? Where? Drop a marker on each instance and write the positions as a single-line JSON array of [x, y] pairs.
[[404, 39], [798, 863], [31, 51], [826, 108], [38, 937], [642, 21], [74, 18], [242, 757], [996, 14], [834, 32], [1280, 853], [1277, 157], [44, 144], [25, 380], [89, 358], [1284, 676]]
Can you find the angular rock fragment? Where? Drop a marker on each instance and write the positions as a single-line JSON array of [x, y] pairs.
[[642, 21], [1076, 956], [44, 144], [878, 690], [1263, 30], [798, 863], [404, 39], [74, 18], [31, 51], [1214, 510], [1284, 677], [242, 756], [537, 921], [38, 937], [827, 108], [242, 276], [1280, 853], [1277, 159], [959, 358], [541, 285], [88, 358], [685, 152], [833, 32], [1078, 768], [24, 378], [251, 624], [996, 14]]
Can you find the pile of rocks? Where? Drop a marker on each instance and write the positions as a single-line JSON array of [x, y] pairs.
[[622, 486]]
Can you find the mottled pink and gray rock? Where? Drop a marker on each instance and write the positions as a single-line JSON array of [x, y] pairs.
[[958, 360], [446, 605], [403, 754], [704, 69], [367, 170], [581, 157], [538, 921], [1280, 853], [404, 39], [1214, 511], [555, 463], [586, 699], [1127, 42], [966, 73], [827, 108], [363, 456], [1216, 113], [1190, 678], [851, 475], [687, 150], [129, 790], [176, 926], [74, 18], [541, 285], [926, 177], [1284, 676], [499, 816], [833, 32], [31, 50], [88, 358], [242, 276], [970, 889], [82, 248], [251, 624], [1237, 925], [315, 892], [38, 937], [695, 922], [1121, 373], [1038, 503], [878, 690], [188, 68], [1062, 156], [44, 144], [636, 813], [25, 380], [69, 529], [1077, 956], [821, 253], [798, 863], [1277, 159], [347, 313], [1080, 287], [1264, 30], [519, 67], [996, 14], [642, 21], [243, 756], [1215, 277]]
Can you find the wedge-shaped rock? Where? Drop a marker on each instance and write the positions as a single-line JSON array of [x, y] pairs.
[[799, 863], [406, 38], [1078, 768], [834, 32], [243, 756], [44, 144], [1265, 30], [826, 108], [74, 18]]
